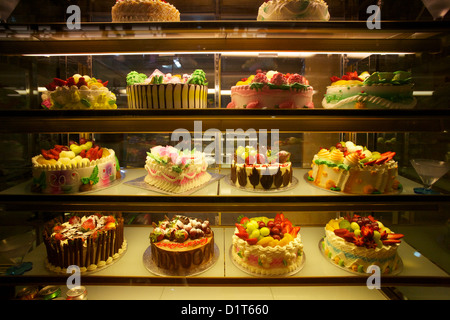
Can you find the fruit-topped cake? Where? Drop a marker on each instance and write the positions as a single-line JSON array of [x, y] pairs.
[[272, 90], [300, 10], [263, 170], [78, 167], [181, 243], [167, 91], [351, 168], [78, 92], [379, 90], [358, 242], [87, 241], [267, 246], [144, 10], [176, 171]]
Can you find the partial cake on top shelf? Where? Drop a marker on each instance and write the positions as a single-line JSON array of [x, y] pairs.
[[144, 10], [272, 10]]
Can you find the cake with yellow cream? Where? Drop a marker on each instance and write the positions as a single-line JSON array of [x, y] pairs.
[[89, 242], [357, 242], [272, 10], [144, 10], [379, 90], [181, 244], [351, 168], [79, 167], [176, 171], [167, 91], [267, 246]]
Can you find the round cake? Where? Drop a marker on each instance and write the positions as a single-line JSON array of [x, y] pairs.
[[78, 92], [89, 242], [358, 242], [164, 91], [175, 171], [272, 90], [380, 90], [144, 10], [267, 246], [351, 168], [293, 10], [262, 171], [79, 167], [181, 244]]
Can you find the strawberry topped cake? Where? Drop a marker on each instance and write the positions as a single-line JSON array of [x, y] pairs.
[[181, 243], [351, 168], [78, 167], [87, 241], [379, 90], [78, 92], [267, 246], [357, 242], [272, 89], [261, 171], [175, 171]]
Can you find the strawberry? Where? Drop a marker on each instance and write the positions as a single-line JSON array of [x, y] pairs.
[[110, 219], [59, 82], [242, 235], [71, 82], [244, 220], [59, 236], [294, 231], [252, 241], [370, 163], [83, 153], [240, 228], [74, 220], [87, 225], [391, 241], [81, 82], [341, 232], [391, 236], [58, 228]]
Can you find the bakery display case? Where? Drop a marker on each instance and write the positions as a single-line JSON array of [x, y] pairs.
[[229, 45]]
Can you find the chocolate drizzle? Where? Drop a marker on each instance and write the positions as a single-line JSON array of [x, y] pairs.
[[254, 177]]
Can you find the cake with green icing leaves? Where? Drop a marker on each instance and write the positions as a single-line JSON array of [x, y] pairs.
[[167, 91], [354, 169], [379, 90], [272, 10], [356, 243], [272, 90]]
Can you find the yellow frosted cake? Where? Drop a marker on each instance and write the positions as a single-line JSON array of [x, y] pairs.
[[359, 242], [351, 168], [144, 10], [267, 246]]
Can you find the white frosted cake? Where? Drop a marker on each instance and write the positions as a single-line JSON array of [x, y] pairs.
[[293, 10], [175, 171], [359, 242], [267, 246], [144, 10], [167, 91], [272, 90], [350, 168], [390, 90], [74, 168]]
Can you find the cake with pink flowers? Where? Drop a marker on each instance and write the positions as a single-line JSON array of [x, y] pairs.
[[351, 168], [144, 10], [167, 91], [176, 171], [272, 90]]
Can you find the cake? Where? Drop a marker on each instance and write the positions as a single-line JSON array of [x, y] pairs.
[[78, 92], [144, 10], [272, 90], [87, 241], [351, 168], [293, 10], [181, 244], [79, 167], [262, 171], [164, 91], [380, 90], [267, 246], [175, 171], [355, 243]]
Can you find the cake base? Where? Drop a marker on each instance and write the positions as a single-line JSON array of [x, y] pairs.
[[393, 273], [300, 263], [291, 186], [151, 266]]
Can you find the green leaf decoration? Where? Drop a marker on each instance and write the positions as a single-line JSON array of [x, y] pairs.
[[176, 169]]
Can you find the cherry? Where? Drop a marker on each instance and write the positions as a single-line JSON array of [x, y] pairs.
[[270, 224], [261, 224]]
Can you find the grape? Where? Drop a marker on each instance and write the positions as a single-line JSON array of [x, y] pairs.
[[264, 231], [376, 236], [261, 224], [354, 226], [255, 234]]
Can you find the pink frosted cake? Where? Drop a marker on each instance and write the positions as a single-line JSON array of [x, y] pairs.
[[75, 168], [272, 90], [175, 171]]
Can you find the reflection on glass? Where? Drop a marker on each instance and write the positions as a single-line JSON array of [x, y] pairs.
[[429, 172]]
